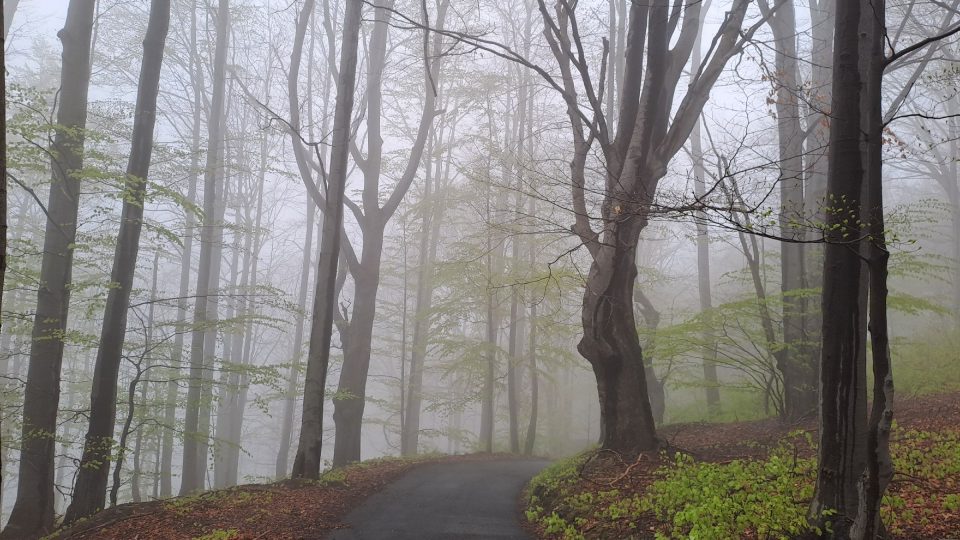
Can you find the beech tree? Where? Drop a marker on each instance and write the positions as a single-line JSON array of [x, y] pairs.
[[854, 461], [307, 461], [794, 362], [32, 514], [208, 275], [636, 143], [91, 484]]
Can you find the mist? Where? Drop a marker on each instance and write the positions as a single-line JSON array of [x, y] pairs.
[[256, 240]]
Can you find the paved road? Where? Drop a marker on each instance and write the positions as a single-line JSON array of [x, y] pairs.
[[466, 500]]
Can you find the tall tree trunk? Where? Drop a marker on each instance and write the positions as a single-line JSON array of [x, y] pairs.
[[307, 461], [433, 212], [704, 285], [513, 332], [952, 186], [32, 514], [612, 346], [513, 337], [351, 396], [490, 369], [235, 419], [186, 257], [841, 451], [89, 491], [410, 429], [635, 158], [349, 405], [817, 162], [795, 365], [879, 465], [488, 392], [289, 401], [233, 346], [194, 462], [293, 383], [530, 442], [147, 351], [704, 278]]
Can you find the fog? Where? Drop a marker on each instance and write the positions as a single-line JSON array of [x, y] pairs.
[[490, 187]]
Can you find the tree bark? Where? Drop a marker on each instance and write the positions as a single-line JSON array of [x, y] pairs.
[[307, 461], [433, 213], [410, 430], [89, 491], [293, 383], [233, 344], [194, 463], [815, 154], [879, 465], [32, 514], [951, 183], [795, 364], [186, 257], [709, 351], [488, 392], [286, 428], [841, 451], [351, 395], [530, 441], [234, 420], [635, 158]]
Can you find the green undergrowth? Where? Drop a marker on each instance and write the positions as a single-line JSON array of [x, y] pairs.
[[749, 498], [927, 364]]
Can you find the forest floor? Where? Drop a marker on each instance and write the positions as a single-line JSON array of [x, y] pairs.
[[286, 510], [738, 479], [749, 478]]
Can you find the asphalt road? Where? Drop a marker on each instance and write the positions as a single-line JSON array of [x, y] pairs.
[[466, 500]]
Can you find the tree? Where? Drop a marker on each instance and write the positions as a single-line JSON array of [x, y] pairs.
[[357, 332], [286, 429], [32, 514], [186, 258], [205, 315], [431, 209], [795, 364], [854, 463], [635, 154], [307, 461], [89, 491], [712, 389]]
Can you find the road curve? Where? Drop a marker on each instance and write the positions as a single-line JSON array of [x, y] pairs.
[[457, 500]]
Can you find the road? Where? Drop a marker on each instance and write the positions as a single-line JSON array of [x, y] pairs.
[[462, 500]]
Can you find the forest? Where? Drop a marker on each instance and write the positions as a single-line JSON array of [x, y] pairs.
[[480, 269]]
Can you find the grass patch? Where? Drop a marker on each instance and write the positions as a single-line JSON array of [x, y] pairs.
[[927, 363]]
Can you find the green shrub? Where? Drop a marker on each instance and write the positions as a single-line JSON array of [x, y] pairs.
[[755, 498], [761, 498], [220, 534]]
